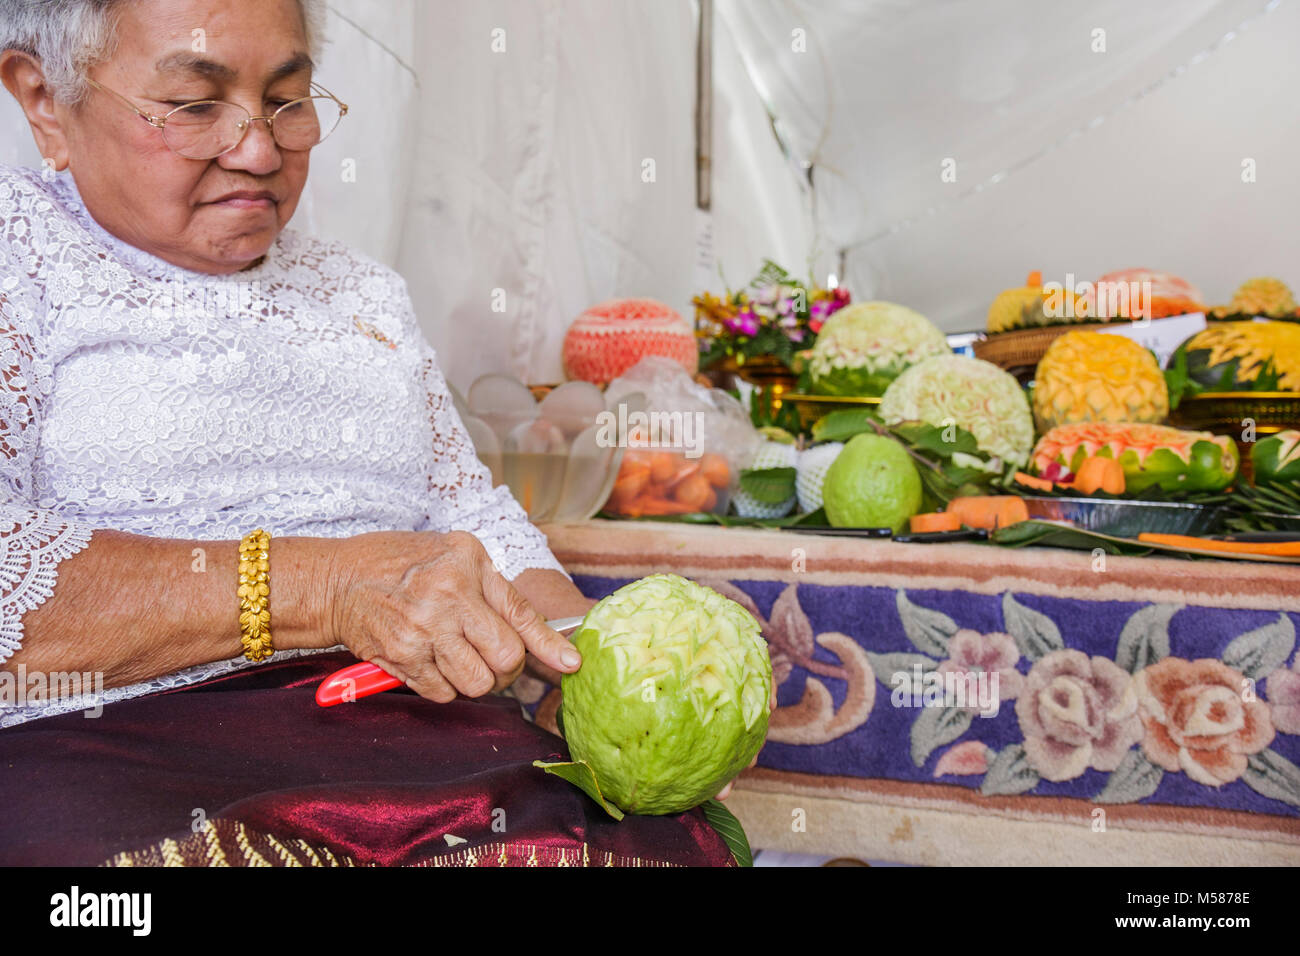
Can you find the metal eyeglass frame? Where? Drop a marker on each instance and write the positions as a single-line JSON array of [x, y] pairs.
[[160, 122]]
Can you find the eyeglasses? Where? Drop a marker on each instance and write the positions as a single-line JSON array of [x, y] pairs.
[[210, 128]]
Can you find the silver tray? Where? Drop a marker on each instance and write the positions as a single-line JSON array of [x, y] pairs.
[[1127, 519]]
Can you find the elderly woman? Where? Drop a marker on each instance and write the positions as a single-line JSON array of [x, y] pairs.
[[183, 373]]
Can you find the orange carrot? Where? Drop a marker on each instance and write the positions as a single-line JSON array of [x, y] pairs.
[[1275, 548], [694, 491], [716, 470], [989, 511], [1029, 481], [934, 521], [662, 466], [1099, 472], [629, 485], [682, 473], [658, 506]]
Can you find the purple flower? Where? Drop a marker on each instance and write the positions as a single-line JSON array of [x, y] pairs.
[[742, 323]]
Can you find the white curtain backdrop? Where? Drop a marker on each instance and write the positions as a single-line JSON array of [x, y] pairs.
[[497, 151], [1082, 138], [495, 154]]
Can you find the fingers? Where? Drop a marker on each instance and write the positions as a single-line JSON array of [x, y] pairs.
[[434, 612], [724, 792], [429, 683], [548, 646]]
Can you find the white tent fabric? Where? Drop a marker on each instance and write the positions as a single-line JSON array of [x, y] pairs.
[[1080, 138], [536, 194], [496, 151], [494, 154]]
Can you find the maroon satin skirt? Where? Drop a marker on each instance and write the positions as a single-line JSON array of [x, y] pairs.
[[247, 769]]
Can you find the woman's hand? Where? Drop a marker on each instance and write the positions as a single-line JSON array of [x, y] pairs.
[[431, 610], [771, 708]]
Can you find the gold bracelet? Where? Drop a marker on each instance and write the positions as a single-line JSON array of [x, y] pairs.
[[255, 595]]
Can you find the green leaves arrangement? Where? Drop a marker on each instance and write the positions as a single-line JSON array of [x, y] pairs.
[[729, 828], [1183, 385], [580, 774], [932, 448], [1265, 507], [769, 486]]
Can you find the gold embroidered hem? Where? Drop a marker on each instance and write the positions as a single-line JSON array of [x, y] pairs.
[[231, 843]]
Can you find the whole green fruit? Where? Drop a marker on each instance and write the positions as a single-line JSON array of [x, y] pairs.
[[872, 484], [671, 700], [1276, 459]]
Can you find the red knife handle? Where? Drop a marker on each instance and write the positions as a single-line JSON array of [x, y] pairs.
[[353, 683]]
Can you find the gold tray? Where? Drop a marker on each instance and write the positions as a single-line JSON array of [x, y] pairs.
[[813, 407], [1224, 413]]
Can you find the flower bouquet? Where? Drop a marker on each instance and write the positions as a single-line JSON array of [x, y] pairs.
[[773, 317]]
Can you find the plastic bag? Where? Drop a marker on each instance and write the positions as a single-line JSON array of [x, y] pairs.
[[684, 450]]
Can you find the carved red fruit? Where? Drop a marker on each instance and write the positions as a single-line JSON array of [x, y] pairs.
[[609, 338]]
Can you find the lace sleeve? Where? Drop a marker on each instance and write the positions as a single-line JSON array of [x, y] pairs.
[[460, 487], [32, 540]]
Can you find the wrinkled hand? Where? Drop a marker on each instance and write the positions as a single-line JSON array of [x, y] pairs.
[[771, 708], [431, 610]]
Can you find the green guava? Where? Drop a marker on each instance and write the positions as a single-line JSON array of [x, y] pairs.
[[671, 701], [871, 484]]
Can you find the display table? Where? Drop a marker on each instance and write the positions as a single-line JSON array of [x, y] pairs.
[[969, 704]]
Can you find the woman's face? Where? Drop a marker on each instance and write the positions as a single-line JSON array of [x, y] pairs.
[[212, 215]]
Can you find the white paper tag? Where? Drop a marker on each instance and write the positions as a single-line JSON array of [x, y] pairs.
[[1162, 336]]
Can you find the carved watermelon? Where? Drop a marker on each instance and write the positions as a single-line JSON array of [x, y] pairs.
[[1276, 459], [1123, 294], [1174, 459], [609, 338], [1243, 356]]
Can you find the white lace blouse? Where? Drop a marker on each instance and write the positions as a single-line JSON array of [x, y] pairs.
[[299, 396]]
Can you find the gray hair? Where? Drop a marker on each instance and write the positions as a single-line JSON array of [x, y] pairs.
[[70, 36]]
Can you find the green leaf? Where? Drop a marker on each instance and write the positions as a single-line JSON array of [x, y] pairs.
[[580, 774], [936, 726], [1178, 381], [817, 518], [1009, 773], [769, 486], [729, 828], [941, 440], [885, 666], [1259, 652], [1145, 637], [927, 629], [843, 423], [1136, 778], [559, 719], [1036, 634], [1268, 379], [770, 274], [1024, 533], [1271, 774]]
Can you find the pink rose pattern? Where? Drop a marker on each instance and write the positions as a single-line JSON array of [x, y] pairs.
[[1199, 721], [1077, 713], [970, 652], [1284, 699]]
